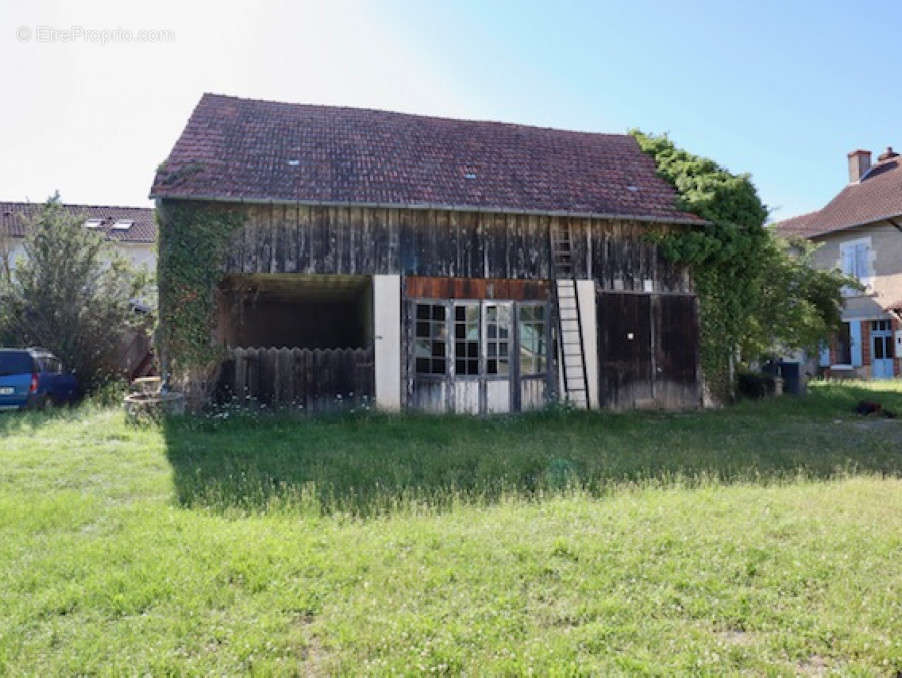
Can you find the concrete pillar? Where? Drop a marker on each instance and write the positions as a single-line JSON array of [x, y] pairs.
[[387, 341], [585, 294]]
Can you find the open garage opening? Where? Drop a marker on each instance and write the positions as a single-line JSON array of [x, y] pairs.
[[296, 311]]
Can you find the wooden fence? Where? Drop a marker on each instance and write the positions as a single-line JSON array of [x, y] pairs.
[[316, 380]]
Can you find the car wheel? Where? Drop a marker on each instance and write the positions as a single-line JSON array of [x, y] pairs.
[[38, 403]]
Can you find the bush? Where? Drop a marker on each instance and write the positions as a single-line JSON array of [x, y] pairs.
[[72, 294], [756, 384]]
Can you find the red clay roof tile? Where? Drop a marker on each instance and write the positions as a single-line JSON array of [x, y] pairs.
[[14, 218], [876, 197], [242, 149]]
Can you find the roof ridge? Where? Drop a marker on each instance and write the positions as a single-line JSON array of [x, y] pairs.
[[421, 116], [69, 204]]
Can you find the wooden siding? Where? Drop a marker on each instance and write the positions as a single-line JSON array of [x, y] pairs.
[[419, 287], [308, 379], [648, 350], [443, 243]]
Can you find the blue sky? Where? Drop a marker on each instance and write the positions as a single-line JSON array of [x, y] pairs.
[[782, 90]]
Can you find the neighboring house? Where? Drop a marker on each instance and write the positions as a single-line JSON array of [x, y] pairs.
[[436, 263], [133, 233], [132, 230], [860, 233]]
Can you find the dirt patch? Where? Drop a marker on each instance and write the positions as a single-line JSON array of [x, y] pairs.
[[815, 665]]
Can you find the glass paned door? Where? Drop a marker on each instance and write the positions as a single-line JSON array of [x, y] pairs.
[[497, 321], [881, 349]]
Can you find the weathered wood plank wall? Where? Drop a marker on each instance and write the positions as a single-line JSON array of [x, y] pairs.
[[648, 350], [445, 243], [316, 380]]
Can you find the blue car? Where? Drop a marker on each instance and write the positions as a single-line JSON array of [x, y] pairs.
[[33, 377]]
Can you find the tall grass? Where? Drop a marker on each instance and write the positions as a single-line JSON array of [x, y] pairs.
[[370, 464], [763, 539]]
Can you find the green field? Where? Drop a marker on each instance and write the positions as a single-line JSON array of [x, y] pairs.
[[763, 539]]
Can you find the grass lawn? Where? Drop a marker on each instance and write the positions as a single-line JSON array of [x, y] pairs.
[[761, 539]]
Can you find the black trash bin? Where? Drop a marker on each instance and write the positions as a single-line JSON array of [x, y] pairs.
[[792, 377]]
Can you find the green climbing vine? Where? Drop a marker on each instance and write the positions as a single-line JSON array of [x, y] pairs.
[[193, 243], [757, 296]]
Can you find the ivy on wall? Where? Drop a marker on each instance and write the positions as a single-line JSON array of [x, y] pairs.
[[193, 243], [760, 297], [724, 255]]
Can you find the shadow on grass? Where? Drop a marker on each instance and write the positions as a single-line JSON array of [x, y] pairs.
[[367, 464]]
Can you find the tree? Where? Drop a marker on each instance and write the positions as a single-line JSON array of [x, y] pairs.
[[71, 293], [757, 298]]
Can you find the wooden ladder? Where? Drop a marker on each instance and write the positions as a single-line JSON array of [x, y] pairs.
[[569, 316]]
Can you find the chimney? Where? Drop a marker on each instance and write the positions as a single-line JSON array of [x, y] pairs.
[[859, 164]]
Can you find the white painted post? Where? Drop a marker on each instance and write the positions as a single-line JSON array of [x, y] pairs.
[[387, 341], [585, 295]]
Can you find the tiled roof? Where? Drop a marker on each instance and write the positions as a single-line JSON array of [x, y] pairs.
[[14, 218], [877, 196], [241, 149]]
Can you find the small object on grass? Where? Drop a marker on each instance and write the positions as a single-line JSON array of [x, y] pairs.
[[144, 407], [866, 407]]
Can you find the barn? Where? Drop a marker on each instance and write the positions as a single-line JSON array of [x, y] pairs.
[[424, 263]]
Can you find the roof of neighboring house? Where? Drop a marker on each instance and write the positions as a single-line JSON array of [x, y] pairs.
[[877, 196], [248, 150], [14, 217]]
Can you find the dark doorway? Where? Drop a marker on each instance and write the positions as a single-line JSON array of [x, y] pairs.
[[296, 311]]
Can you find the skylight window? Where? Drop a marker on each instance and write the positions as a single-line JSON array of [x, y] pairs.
[[123, 224], [94, 223]]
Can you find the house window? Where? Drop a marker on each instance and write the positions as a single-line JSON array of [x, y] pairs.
[[844, 345], [497, 339], [466, 339], [431, 339], [855, 259], [533, 355]]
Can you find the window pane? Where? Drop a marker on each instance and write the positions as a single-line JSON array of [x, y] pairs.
[[878, 349], [460, 312], [438, 312], [438, 366], [422, 312], [473, 349], [438, 349], [423, 365]]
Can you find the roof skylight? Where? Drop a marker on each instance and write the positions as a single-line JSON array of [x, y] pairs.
[[94, 223], [123, 224]]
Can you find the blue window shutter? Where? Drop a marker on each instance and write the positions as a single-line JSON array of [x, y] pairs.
[[848, 260], [862, 253], [855, 338], [824, 356]]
